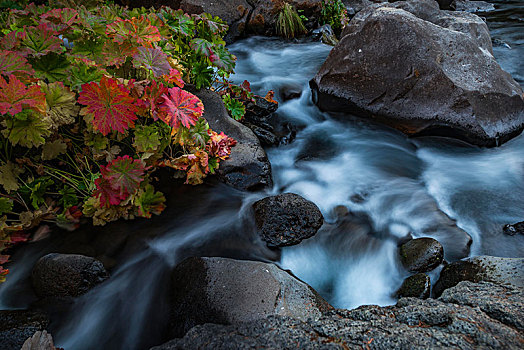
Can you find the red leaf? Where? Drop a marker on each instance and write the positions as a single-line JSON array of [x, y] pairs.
[[12, 40], [41, 40], [106, 194], [125, 175], [110, 104], [13, 63], [135, 30], [174, 77], [219, 145], [181, 107], [65, 16], [153, 97], [15, 95]]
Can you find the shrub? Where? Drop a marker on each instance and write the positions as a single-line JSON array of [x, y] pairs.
[[334, 13], [289, 23], [92, 102]]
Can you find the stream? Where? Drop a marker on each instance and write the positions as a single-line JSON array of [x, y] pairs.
[[391, 185]]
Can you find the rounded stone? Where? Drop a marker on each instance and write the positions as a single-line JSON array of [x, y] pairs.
[[286, 219], [416, 286], [66, 275], [421, 254]]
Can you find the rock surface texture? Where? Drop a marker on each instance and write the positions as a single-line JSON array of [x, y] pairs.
[[66, 275], [247, 168], [449, 322], [18, 325], [481, 268], [422, 71], [416, 286], [286, 219], [227, 291]]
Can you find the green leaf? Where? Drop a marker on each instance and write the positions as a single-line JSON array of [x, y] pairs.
[[53, 67], [51, 150], [36, 190], [6, 205], [68, 197], [81, 74], [199, 133], [202, 75], [150, 202], [235, 107], [8, 176], [152, 59], [41, 40], [61, 104], [27, 129], [222, 59], [147, 138], [201, 46], [178, 21], [88, 46]]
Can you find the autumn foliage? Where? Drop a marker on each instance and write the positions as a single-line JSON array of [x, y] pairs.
[[92, 102]]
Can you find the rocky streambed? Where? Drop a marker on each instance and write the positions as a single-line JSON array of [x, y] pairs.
[[324, 229]]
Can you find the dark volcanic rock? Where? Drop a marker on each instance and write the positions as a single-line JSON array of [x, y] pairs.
[[481, 268], [18, 325], [226, 291], [286, 219], [421, 254], [416, 286], [410, 324], [423, 71], [66, 275], [512, 230], [247, 168]]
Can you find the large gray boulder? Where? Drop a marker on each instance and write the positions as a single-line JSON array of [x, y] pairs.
[[423, 71], [508, 271], [286, 219], [247, 168], [227, 291], [66, 275], [410, 324]]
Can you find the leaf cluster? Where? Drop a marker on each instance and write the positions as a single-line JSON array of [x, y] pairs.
[[334, 13], [289, 23], [92, 102]]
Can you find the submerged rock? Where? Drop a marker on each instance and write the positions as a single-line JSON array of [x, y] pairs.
[[247, 168], [416, 286], [66, 275], [18, 325], [421, 254], [227, 291], [286, 219], [326, 35], [422, 71], [507, 271], [512, 230], [410, 324]]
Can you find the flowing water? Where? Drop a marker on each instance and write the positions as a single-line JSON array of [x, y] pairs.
[[390, 185]]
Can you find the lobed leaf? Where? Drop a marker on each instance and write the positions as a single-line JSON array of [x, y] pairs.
[[124, 174], [150, 202], [41, 40], [15, 95], [27, 129], [110, 105], [180, 107], [12, 63], [152, 59], [135, 30], [60, 104]]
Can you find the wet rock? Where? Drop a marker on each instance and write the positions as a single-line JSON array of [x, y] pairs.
[[506, 271], [416, 286], [39, 341], [286, 219], [290, 92], [18, 325], [473, 6], [512, 230], [66, 275], [421, 254], [266, 137], [447, 4], [410, 324], [247, 168], [401, 65], [355, 6], [258, 112], [326, 35], [227, 291]]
